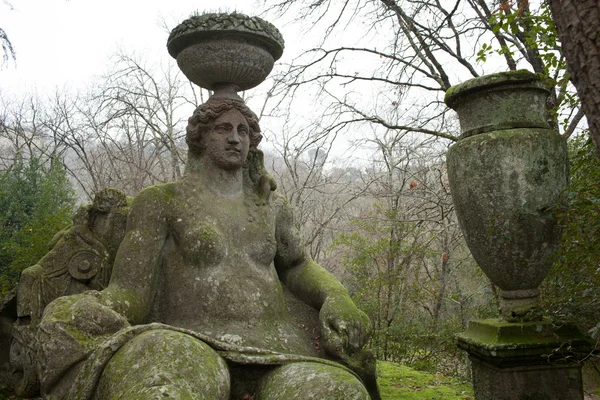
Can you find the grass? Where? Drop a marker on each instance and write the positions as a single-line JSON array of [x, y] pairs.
[[400, 382]]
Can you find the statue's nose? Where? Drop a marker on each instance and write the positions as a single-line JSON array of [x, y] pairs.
[[233, 137]]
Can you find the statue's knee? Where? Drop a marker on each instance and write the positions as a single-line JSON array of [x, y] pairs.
[[311, 381], [163, 361]]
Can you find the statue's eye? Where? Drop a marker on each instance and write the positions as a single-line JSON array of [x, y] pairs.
[[223, 128], [242, 130]]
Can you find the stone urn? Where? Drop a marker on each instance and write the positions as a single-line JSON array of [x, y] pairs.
[[225, 53], [507, 172]]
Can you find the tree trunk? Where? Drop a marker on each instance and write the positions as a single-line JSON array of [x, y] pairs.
[[439, 301], [578, 26]]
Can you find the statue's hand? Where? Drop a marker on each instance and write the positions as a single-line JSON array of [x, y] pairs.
[[344, 328]]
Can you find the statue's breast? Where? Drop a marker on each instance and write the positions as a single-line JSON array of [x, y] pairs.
[[198, 240], [256, 235], [208, 232]]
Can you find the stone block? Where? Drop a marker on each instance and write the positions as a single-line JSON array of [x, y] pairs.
[[525, 361]]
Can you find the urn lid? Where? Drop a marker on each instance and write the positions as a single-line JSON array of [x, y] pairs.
[[510, 78], [209, 25]]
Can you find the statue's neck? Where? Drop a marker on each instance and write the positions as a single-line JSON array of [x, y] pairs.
[[223, 182]]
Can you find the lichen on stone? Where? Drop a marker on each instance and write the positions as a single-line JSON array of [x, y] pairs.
[[501, 78], [234, 22]]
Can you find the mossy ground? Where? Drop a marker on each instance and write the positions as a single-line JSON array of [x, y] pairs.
[[400, 382]]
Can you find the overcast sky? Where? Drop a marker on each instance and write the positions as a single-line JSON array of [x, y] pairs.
[[62, 42]]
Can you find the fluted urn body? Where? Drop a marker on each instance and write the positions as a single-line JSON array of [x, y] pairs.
[[507, 172]]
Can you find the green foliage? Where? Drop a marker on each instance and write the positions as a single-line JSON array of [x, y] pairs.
[[36, 201], [532, 33], [401, 382], [485, 51], [535, 30], [380, 257], [572, 289], [394, 275]]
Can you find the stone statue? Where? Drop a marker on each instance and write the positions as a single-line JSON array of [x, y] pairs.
[[80, 259], [210, 294], [195, 306]]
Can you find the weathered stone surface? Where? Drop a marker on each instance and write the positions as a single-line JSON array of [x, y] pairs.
[[219, 23], [520, 361], [506, 186], [80, 256], [508, 344], [197, 290], [506, 100], [311, 381], [541, 382], [80, 259], [165, 364], [215, 50], [211, 291], [507, 173]]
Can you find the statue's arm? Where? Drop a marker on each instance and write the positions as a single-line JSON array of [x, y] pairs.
[[345, 329], [133, 282]]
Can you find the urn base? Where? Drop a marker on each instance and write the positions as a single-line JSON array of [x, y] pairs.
[[530, 360]]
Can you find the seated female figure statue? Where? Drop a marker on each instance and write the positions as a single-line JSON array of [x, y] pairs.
[[195, 307]]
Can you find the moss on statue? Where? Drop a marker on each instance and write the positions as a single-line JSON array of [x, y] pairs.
[[200, 271], [308, 380], [506, 341], [165, 363]]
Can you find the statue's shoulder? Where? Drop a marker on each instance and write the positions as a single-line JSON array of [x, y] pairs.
[[156, 200], [163, 193], [282, 208]]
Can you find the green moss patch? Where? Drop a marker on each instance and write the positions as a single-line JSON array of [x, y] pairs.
[[400, 382]]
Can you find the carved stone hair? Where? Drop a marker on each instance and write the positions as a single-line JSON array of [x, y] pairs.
[[204, 114]]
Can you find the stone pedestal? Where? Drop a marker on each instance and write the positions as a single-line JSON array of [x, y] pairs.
[[525, 361]]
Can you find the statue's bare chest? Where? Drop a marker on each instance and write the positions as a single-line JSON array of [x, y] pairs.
[[212, 231], [218, 266]]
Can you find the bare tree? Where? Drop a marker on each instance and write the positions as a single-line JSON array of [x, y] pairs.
[[22, 130], [153, 99], [320, 186], [413, 51], [8, 51], [404, 252], [126, 132]]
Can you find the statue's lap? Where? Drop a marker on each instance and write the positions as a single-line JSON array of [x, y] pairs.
[[170, 364]]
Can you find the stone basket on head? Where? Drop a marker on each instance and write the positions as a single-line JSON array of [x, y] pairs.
[[225, 53]]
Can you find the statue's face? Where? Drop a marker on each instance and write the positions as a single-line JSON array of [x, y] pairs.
[[227, 143]]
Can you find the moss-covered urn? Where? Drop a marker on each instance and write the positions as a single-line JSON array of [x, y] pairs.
[[507, 172]]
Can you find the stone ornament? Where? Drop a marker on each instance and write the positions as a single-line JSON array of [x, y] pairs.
[[499, 101], [507, 173], [225, 52], [80, 259]]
